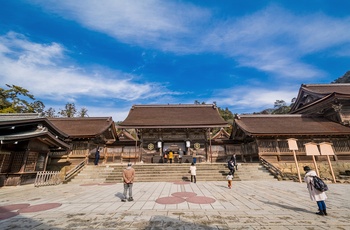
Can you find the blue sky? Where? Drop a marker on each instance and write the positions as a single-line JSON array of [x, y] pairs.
[[107, 55]]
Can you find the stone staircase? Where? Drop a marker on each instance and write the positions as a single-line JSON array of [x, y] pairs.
[[93, 174]]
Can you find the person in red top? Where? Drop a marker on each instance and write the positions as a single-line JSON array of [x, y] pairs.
[[128, 178]]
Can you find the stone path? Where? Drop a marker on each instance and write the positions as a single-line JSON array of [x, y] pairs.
[[173, 205]]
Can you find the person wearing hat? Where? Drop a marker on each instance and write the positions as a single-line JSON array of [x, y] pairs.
[[315, 195], [128, 178]]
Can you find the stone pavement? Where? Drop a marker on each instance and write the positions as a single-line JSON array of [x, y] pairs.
[[173, 205]]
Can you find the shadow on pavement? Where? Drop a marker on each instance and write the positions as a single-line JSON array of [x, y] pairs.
[[287, 207]]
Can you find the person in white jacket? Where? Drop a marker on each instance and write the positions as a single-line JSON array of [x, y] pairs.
[[193, 170], [315, 195]]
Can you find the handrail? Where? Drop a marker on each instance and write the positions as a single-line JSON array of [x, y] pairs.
[[275, 171], [74, 171]]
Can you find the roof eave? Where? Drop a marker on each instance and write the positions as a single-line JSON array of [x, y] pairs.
[[169, 126]]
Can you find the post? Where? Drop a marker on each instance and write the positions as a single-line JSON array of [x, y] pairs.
[[311, 149], [211, 154], [292, 143], [331, 168], [327, 149], [296, 163], [315, 164], [135, 147]]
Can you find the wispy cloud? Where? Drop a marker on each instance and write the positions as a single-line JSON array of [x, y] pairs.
[[249, 99], [33, 66], [272, 40]]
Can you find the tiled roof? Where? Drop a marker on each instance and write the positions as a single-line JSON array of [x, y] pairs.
[[18, 116], [328, 88], [173, 116], [83, 126], [289, 125], [320, 92]]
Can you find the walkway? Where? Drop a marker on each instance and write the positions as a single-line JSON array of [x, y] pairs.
[[173, 205]]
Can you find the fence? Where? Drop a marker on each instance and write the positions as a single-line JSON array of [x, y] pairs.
[[47, 178]]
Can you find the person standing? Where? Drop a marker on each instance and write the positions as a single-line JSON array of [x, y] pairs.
[[97, 155], [128, 178], [171, 157], [194, 156], [181, 153], [229, 179], [193, 172], [315, 195]]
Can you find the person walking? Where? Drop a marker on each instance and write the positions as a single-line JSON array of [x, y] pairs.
[[231, 166], [229, 179], [315, 195], [128, 178], [193, 170], [234, 161]]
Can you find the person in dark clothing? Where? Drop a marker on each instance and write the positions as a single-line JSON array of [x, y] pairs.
[[233, 158], [231, 166], [97, 156]]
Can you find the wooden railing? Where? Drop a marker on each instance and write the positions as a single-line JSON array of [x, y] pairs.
[[46, 178], [272, 169], [71, 173]]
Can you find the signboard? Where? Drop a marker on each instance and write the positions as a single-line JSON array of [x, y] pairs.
[[292, 143], [326, 149], [311, 149]]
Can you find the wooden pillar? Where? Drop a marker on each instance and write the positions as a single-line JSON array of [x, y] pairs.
[[278, 151], [87, 151], [24, 160], [46, 160], [105, 154]]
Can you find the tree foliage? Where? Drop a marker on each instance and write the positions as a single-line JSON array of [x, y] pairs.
[[69, 110], [16, 99], [83, 112], [280, 107], [343, 79], [226, 114]]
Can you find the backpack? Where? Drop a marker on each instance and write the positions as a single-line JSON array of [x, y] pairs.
[[319, 184]]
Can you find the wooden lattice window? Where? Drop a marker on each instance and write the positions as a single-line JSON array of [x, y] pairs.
[[31, 162], [4, 162], [267, 146], [341, 145], [79, 148], [283, 146], [17, 161]]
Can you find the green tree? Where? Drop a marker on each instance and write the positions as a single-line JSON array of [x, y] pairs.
[[69, 110], [15, 100], [281, 107], [51, 112], [83, 112], [343, 79]]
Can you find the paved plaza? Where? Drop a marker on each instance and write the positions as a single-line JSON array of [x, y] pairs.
[[173, 205]]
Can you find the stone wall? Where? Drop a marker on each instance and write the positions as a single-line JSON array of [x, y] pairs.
[[339, 168]]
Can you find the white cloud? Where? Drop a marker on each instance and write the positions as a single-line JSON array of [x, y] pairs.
[[33, 66], [148, 23], [272, 40], [251, 98]]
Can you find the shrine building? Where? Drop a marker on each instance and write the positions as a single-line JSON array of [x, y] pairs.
[[164, 128], [320, 114]]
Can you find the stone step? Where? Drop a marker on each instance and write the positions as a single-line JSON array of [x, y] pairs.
[[170, 172]]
